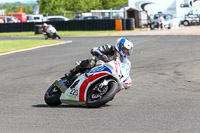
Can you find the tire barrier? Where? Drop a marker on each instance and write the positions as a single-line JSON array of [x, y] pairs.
[[72, 25], [124, 24], [130, 24], [38, 29]]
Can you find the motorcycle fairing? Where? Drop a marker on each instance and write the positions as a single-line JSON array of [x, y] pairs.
[[128, 81], [51, 29], [99, 69], [78, 93], [124, 72], [87, 83], [125, 78]]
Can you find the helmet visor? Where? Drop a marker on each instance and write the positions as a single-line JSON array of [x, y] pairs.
[[126, 51]]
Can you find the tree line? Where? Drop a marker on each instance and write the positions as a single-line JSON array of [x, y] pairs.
[[14, 7], [64, 6], [56, 6]]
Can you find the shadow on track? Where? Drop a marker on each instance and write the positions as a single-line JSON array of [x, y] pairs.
[[66, 106]]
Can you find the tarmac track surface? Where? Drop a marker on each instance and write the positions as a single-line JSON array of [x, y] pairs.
[[163, 99]]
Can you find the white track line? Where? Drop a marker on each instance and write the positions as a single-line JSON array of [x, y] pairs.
[[35, 48]]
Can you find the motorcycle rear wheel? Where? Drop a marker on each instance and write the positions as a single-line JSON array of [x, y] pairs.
[[53, 36], [52, 96], [94, 102]]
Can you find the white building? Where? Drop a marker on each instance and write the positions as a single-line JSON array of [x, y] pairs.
[[178, 8]]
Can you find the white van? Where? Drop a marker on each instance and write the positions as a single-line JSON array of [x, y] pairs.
[[35, 18]]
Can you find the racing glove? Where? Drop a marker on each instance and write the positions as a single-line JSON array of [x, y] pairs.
[[105, 58]]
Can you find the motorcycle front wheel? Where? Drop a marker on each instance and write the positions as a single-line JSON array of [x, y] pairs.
[[52, 96], [96, 99]]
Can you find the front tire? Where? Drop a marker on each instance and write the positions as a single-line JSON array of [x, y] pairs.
[[186, 23], [56, 34], [94, 101], [52, 96]]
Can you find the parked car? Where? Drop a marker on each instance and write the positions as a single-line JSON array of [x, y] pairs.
[[90, 17], [35, 18], [84, 16], [78, 16], [20, 16], [166, 23], [9, 19], [193, 17], [57, 18]]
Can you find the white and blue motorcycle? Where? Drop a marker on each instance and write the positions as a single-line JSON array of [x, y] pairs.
[[92, 88]]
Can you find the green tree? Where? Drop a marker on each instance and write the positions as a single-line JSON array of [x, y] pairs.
[[107, 4], [82, 5], [14, 7], [51, 6], [56, 6]]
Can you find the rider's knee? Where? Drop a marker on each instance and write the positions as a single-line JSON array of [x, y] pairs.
[[84, 63], [87, 63], [92, 63]]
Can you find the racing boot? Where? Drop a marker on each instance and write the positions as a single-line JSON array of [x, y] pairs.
[[83, 65], [69, 76], [73, 72]]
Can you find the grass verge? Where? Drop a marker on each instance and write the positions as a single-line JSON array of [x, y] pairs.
[[13, 45], [85, 33], [66, 33]]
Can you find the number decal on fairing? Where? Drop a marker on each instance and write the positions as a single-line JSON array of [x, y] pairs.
[[74, 92]]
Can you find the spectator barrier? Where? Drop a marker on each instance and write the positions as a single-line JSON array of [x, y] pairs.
[[72, 25]]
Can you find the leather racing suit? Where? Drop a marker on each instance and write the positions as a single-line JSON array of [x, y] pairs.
[[106, 53]]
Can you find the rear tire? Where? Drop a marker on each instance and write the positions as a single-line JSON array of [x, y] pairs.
[[108, 96], [52, 96], [53, 36]]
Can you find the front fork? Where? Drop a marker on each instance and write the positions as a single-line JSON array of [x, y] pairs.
[[103, 86]]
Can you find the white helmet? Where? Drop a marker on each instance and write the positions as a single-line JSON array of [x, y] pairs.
[[124, 47], [45, 24]]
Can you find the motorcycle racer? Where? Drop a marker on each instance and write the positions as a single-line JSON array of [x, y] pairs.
[[47, 29], [44, 26], [122, 49]]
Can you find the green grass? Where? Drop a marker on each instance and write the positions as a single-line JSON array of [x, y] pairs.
[[18, 34], [12, 45], [83, 33], [65, 33]]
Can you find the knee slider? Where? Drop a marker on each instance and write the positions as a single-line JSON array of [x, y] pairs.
[[92, 63]]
